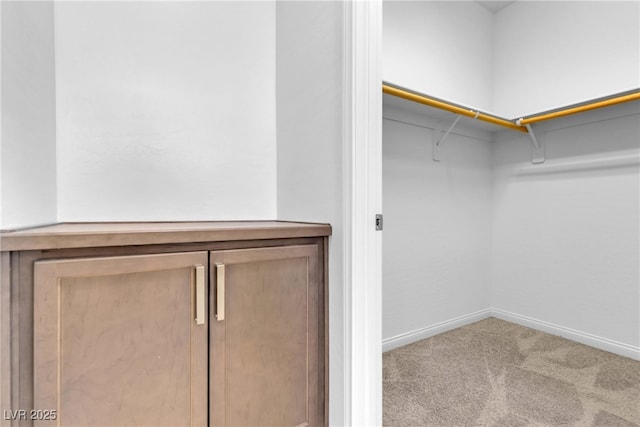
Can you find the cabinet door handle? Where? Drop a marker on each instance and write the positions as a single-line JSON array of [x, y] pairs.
[[200, 300], [220, 292]]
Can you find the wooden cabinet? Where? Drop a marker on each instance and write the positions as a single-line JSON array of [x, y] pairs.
[[115, 341], [264, 356], [194, 324]]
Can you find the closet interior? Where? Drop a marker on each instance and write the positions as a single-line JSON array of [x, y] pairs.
[[511, 192], [510, 169]]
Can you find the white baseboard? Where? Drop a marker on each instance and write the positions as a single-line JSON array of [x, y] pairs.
[[605, 344], [435, 329]]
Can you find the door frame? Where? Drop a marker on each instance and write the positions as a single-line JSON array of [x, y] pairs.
[[363, 200]]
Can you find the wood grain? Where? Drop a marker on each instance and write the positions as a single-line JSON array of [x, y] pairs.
[[115, 341], [264, 355], [323, 334], [22, 331], [5, 335], [77, 235], [21, 295]]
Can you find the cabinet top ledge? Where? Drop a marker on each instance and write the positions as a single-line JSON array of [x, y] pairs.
[[97, 234]]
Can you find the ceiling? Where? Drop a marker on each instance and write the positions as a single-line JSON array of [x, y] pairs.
[[495, 6]]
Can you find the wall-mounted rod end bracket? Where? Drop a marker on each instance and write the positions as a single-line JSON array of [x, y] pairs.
[[437, 143], [537, 144], [436, 146]]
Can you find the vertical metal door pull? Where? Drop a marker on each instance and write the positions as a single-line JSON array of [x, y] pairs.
[[200, 311], [220, 292]]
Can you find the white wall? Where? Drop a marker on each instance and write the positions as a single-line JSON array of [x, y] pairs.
[[28, 168], [441, 48], [166, 110], [566, 234], [564, 243], [554, 53], [309, 128], [437, 227], [529, 57]]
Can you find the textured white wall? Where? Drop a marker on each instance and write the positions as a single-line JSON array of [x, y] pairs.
[[437, 228], [441, 48], [166, 110], [28, 168], [309, 128], [566, 234], [554, 53]]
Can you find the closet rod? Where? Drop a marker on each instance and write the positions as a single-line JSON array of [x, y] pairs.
[[578, 109], [422, 99]]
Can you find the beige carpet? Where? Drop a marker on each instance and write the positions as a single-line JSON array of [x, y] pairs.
[[496, 373]]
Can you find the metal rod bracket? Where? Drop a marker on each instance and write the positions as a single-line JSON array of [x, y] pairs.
[[537, 145], [437, 143]]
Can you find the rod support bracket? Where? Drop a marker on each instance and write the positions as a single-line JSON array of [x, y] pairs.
[[537, 145], [437, 143]]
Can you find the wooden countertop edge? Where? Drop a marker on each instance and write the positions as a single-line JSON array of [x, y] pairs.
[[39, 238]]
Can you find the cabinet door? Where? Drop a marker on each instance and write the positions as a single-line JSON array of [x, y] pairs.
[[117, 343], [264, 343]]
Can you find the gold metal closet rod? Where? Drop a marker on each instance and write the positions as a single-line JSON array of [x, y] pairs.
[[474, 114], [518, 125], [607, 102]]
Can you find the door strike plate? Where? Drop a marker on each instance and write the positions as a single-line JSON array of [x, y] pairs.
[[379, 222]]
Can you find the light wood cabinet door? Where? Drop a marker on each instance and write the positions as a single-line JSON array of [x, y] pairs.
[[116, 342], [264, 344]]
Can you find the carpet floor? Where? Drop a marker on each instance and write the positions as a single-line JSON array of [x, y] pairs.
[[496, 373]]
